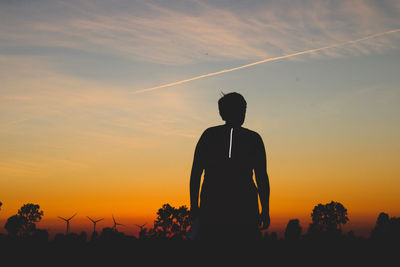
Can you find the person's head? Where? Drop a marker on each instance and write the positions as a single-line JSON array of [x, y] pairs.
[[232, 108]]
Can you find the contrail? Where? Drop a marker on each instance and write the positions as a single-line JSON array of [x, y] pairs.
[[264, 61]]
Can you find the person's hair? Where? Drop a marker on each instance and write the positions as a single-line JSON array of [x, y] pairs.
[[232, 108]]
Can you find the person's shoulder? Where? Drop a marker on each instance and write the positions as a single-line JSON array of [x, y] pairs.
[[213, 129], [216, 128], [255, 137], [209, 132], [251, 133]]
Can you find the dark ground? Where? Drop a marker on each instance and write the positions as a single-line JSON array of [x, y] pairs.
[[189, 253]]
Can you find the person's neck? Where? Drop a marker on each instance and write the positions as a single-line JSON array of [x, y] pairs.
[[232, 125]]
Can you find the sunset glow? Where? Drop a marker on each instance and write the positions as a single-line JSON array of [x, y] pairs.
[[76, 135]]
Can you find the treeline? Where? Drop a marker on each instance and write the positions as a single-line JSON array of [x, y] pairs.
[[173, 224], [166, 243]]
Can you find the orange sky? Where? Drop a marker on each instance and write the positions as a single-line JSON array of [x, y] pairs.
[[75, 137]]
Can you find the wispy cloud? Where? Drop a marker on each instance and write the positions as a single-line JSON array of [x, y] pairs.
[[47, 101], [196, 32], [201, 31], [310, 51]]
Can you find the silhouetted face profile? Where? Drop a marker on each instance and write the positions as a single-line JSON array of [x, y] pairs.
[[232, 108]]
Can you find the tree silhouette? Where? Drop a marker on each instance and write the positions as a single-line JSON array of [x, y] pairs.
[[32, 214], [293, 230], [109, 236], [83, 237], [386, 228], [94, 237], [328, 217], [15, 225], [1, 204], [381, 229], [40, 235], [395, 228], [383, 219], [171, 222], [273, 236]]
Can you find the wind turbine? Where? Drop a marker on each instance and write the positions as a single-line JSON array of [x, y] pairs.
[[67, 220], [142, 232], [115, 224], [94, 222], [140, 226]]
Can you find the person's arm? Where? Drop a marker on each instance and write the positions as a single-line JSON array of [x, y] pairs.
[[262, 180], [195, 177]]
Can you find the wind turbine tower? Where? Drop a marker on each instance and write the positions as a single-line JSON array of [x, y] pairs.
[[115, 224], [67, 220], [141, 226], [94, 222], [142, 232]]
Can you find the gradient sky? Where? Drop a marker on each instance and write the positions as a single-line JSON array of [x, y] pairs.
[[75, 137]]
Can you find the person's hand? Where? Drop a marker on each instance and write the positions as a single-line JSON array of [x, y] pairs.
[[264, 220]]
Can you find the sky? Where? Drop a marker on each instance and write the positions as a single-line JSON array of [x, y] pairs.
[[81, 134]]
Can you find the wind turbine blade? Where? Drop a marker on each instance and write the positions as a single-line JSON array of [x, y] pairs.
[[72, 216], [99, 220], [120, 224], [62, 218], [113, 218], [140, 226], [91, 219]]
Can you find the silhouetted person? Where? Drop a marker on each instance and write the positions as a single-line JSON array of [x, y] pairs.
[[228, 154]]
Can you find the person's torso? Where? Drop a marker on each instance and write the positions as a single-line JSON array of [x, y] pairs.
[[229, 156]]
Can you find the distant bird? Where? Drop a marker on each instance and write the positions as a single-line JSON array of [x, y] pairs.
[[94, 222], [115, 224], [67, 220]]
